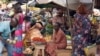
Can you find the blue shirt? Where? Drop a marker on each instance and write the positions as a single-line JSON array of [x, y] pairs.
[[5, 29]]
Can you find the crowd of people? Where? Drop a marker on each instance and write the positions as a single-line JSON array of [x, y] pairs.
[[12, 30]]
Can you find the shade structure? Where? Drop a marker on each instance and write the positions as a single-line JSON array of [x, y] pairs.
[[47, 3], [72, 4], [50, 5]]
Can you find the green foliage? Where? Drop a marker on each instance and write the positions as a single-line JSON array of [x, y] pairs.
[[49, 29]]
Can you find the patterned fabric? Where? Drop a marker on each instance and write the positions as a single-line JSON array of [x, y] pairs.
[[81, 30], [18, 47]]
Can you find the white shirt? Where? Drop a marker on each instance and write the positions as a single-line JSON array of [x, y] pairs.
[[86, 1]]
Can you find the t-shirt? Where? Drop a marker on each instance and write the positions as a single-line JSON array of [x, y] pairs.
[[5, 29]]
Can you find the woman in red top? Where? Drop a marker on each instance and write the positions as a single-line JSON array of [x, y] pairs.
[[18, 46]]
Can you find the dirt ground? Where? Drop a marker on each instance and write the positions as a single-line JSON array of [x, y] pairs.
[[60, 53]]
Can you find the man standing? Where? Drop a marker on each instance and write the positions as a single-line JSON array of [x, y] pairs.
[[4, 35]]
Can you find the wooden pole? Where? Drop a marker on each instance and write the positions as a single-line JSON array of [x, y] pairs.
[[26, 7], [93, 2], [69, 19]]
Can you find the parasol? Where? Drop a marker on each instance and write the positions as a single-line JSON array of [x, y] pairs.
[[73, 4], [47, 3]]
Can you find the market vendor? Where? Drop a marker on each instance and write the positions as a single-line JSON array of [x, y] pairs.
[[34, 31], [58, 41]]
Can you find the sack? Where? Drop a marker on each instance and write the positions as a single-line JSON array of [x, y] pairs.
[[94, 23], [90, 50]]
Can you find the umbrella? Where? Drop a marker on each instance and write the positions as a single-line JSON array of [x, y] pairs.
[[49, 5]]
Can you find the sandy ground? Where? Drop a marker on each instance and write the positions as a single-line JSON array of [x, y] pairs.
[[59, 52]]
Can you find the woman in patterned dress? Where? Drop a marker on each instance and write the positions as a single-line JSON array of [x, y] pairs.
[[18, 46], [81, 31]]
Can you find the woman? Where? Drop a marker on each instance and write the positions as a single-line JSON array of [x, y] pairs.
[[59, 41], [26, 24], [81, 31], [18, 46], [34, 31]]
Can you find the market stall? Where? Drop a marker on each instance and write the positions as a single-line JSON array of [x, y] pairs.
[[49, 28], [52, 4], [66, 5]]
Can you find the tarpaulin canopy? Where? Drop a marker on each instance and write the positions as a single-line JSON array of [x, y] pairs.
[[59, 2], [72, 4], [47, 3]]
